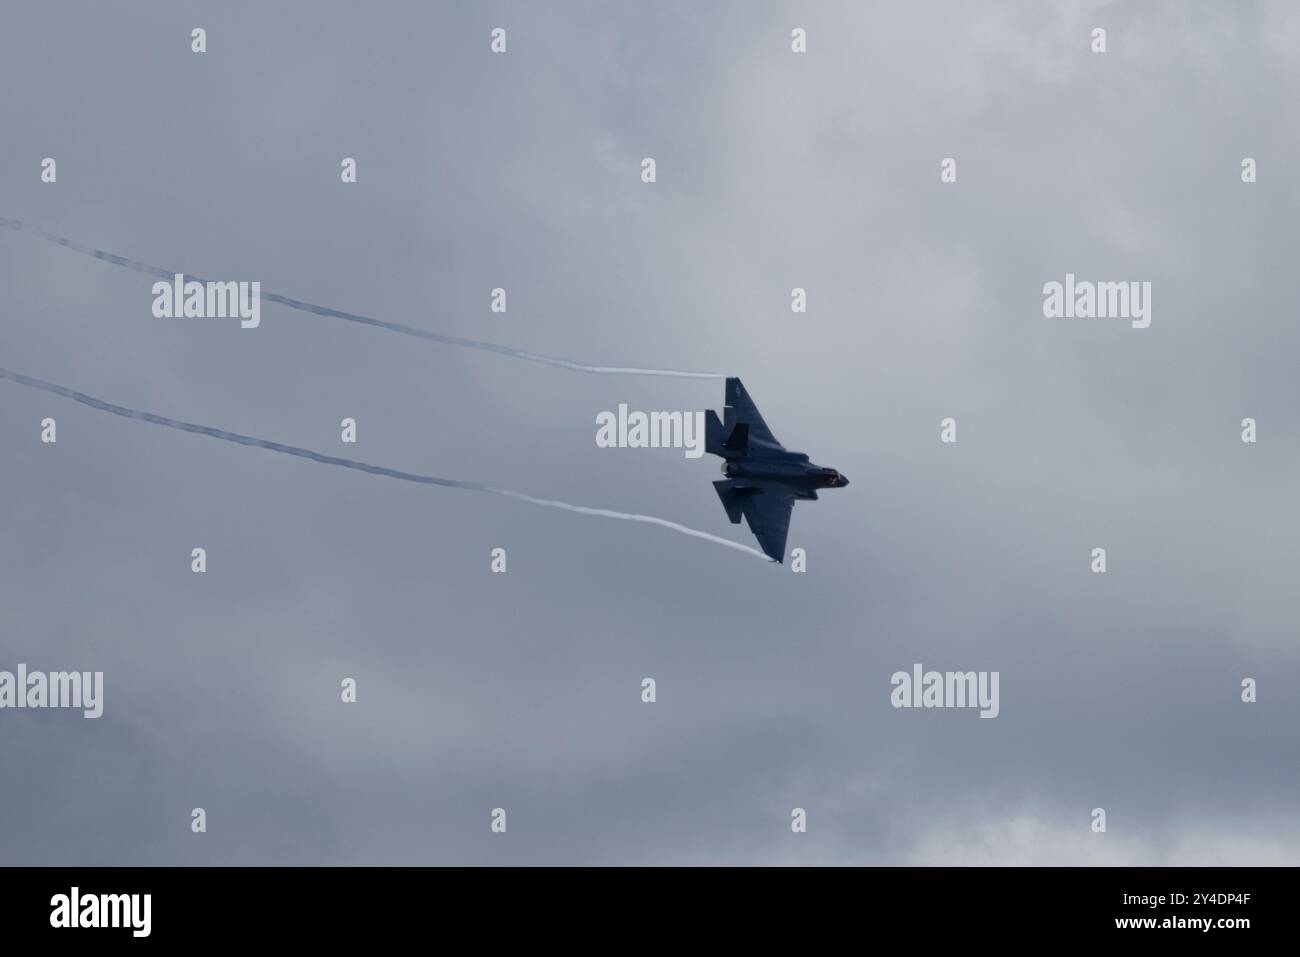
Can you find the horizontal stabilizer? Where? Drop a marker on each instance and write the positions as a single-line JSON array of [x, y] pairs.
[[731, 500], [713, 433]]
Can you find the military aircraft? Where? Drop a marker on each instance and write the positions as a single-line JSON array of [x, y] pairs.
[[763, 479]]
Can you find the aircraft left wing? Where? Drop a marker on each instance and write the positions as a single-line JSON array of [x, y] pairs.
[[745, 411], [768, 513]]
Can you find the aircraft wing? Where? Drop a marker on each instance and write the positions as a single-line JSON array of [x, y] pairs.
[[745, 411], [768, 513]]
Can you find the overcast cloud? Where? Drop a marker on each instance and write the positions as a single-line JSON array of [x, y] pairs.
[[775, 171]]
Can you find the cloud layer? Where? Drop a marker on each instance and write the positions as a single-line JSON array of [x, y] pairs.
[[775, 171]]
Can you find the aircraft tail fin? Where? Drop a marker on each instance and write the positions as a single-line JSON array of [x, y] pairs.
[[719, 441]]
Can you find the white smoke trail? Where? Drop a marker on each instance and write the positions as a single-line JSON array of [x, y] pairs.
[[168, 274], [626, 516], [236, 437]]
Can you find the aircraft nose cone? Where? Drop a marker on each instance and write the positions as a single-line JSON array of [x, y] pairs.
[[844, 480]]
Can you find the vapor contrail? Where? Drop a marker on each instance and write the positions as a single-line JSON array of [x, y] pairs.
[[360, 466], [168, 274]]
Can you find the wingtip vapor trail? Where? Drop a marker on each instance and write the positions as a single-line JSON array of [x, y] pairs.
[[301, 305], [239, 439]]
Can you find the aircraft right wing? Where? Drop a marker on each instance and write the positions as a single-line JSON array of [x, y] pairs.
[[767, 510]]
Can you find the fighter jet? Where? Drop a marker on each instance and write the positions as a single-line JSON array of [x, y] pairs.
[[763, 479]]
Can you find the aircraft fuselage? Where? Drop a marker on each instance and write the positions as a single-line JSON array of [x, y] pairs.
[[763, 478], [790, 470]]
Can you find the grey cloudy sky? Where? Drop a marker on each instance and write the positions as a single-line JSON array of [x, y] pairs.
[[774, 170]]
